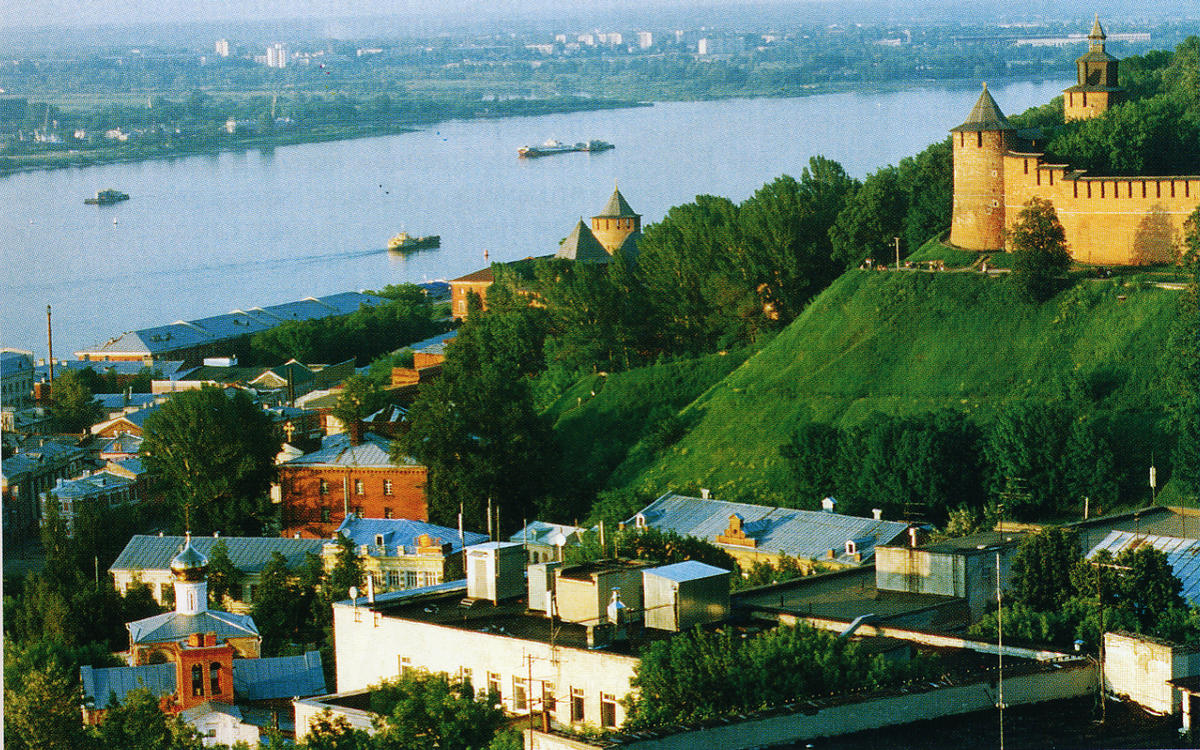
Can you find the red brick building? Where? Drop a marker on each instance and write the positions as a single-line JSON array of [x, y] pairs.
[[321, 489]]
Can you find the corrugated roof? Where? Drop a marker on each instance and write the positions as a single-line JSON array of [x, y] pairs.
[[336, 451], [248, 554], [617, 207], [800, 533], [100, 685], [173, 626], [582, 246], [1182, 554], [434, 344], [985, 116], [279, 677], [84, 487], [403, 531]]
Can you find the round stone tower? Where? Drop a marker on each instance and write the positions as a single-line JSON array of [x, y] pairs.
[[190, 570], [615, 223], [979, 147], [1096, 89]]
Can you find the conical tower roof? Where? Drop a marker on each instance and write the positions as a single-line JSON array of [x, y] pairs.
[[1097, 31], [616, 207], [582, 246], [985, 116]]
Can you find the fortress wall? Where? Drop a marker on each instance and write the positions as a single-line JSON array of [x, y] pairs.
[[1108, 220]]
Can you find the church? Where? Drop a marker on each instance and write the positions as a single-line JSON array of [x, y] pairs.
[[1109, 221]]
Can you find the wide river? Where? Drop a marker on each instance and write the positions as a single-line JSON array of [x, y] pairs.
[[204, 235]]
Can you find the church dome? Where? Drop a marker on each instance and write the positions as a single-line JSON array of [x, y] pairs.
[[189, 565]]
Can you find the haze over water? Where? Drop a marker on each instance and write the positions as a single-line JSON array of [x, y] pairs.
[[204, 235]]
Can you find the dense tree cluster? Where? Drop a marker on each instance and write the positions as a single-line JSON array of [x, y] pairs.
[[1038, 244], [1058, 597], [1037, 459]]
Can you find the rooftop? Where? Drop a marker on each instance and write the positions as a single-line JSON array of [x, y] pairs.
[[985, 116], [976, 542], [248, 554], [336, 451], [1182, 554], [402, 532]]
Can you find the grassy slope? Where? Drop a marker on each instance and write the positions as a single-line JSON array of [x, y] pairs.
[[911, 342]]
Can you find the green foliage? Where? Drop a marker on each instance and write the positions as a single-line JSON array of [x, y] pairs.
[[224, 579], [705, 675], [215, 455], [41, 709], [1038, 243], [1042, 568], [74, 407], [347, 570], [872, 218], [139, 724], [328, 732], [422, 710], [664, 547], [360, 397], [362, 335], [762, 572], [1185, 361]]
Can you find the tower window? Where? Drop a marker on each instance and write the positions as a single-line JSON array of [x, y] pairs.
[[979, 138], [197, 679], [214, 675]]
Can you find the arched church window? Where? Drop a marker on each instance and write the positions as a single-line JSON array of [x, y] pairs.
[[214, 673], [197, 679]]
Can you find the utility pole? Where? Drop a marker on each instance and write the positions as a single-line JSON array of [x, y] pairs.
[[1000, 647], [897, 253], [50, 342]]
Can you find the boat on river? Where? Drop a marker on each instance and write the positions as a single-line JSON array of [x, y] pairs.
[[557, 147], [404, 242], [105, 197]]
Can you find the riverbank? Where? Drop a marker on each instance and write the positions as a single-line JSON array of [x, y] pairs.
[[130, 153]]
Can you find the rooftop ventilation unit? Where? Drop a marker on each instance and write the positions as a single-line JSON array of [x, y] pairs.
[[678, 597], [495, 571]]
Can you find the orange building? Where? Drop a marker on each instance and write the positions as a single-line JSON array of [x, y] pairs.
[[1108, 220], [349, 477]]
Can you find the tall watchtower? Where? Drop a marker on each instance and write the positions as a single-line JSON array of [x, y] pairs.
[[1096, 89], [979, 147], [615, 223]]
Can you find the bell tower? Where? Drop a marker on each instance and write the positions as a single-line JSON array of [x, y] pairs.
[[980, 144], [1096, 89]]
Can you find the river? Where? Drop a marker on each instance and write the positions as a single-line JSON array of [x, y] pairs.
[[203, 235]]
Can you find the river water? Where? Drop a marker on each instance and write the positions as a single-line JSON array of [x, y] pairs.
[[204, 235]]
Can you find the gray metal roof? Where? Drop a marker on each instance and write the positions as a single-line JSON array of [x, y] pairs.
[[403, 532], [582, 246], [248, 554], [84, 487], [688, 570], [985, 116], [173, 626], [1182, 554], [336, 451], [100, 685], [279, 677], [800, 533], [617, 207], [543, 532]]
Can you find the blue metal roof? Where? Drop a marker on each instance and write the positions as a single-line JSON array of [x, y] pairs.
[[100, 685], [1182, 554], [336, 451], [688, 570], [173, 626], [404, 532], [248, 554], [279, 677], [800, 533]]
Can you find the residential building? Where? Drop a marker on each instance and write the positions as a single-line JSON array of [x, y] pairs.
[[401, 554], [544, 541], [759, 533], [351, 474], [16, 374], [28, 474], [147, 559], [100, 489]]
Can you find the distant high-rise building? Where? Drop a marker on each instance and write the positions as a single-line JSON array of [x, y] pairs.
[[645, 39], [222, 47], [276, 56]]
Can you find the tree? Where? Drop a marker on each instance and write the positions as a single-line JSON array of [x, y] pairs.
[[872, 219], [1185, 351], [215, 454], [1039, 246], [360, 397], [224, 579], [74, 406], [422, 710], [347, 570], [41, 710], [1042, 569], [275, 606], [140, 724]]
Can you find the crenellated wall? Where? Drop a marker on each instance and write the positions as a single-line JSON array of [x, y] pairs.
[[1108, 220]]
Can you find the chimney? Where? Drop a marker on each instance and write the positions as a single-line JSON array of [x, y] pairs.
[[912, 535], [356, 429], [877, 513], [704, 493]]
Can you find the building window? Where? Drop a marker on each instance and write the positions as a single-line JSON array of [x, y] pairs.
[[393, 579], [214, 675], [358, 511], [387, 486], [465, 674], [520, 697], [410, 579], [387, 513], [576, 705], [324, 487], [494, 686], [548, 704], [358, 487], [608, 710], [325, 515], [405, 666], [197, 679]]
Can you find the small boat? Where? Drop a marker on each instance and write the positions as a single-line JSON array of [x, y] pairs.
[[105, 197], [594, 145], [404, 242], [546, 149]]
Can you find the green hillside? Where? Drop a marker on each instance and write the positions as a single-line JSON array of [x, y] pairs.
[[911, 342]]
